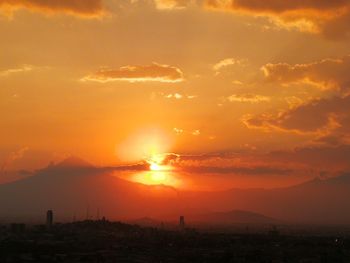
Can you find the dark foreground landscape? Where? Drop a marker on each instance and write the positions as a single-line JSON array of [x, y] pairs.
[[104, 241]]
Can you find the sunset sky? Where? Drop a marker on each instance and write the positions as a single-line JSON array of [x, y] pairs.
[[232, 93]]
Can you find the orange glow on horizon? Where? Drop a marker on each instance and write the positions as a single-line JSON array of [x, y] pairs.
[[158, 174], [156, 178]]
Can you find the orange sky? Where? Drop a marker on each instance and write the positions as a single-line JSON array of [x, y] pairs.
[[250, 93]]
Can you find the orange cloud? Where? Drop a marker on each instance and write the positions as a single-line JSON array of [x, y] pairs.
[[326, 119], [178, 96], [154, 72], [179, 131], [171, 4], [325, 74], [21, 69], [330, 18], [84, 8], [228, 62], [249, 98]]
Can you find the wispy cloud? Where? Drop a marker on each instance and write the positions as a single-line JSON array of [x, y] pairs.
[[20, 69], [149, 73], [228, 62], [330, 18], [178, 96], [325, 74], [81, 8], [179, 131], [171, 4], [248, 98]]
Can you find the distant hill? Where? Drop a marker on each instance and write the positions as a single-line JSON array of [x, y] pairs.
[[74, 188], [236, 217], [316, 201], [73, 162]]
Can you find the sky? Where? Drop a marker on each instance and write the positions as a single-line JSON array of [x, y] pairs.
[[242, 93]]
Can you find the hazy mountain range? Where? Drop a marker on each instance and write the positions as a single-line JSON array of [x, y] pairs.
[[76, 189]]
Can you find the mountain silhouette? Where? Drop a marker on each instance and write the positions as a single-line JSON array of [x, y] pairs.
[[73, 162], [236, 217], [74, 188]]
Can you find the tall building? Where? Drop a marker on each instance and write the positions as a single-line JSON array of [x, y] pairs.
[[49, 219], [182, 223]]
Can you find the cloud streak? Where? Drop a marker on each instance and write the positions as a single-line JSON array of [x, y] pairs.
[[324, 118], [171, 4], [325, 74], [81, 8], [228, 62], [149, 73], [21, 69], [248, 98], [330, 18]]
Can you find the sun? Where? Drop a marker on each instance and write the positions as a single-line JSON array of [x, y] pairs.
[[155, 167], [159, 177], [158, 174]]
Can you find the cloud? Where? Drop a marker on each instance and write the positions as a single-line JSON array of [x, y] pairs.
[[21, 69], [237, 82], [325, 74], [249, 98], [175, 96], [228, 62], [154, 73], [180, 131], [178, 96], [293, 101], [171, 4], [305, 161], [324, 118], [196, 133], [82, 8], [227, 163], [327, 119], [330, 18], [259, 170]]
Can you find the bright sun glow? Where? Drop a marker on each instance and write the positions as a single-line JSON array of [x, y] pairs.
[[155, 167], [156, 178], [150, 146], [158, 173]]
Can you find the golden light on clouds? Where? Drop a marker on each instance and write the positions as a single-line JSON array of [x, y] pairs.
[[21, 69], [250, 98], [321, 17], [156, 178], [171, 4], [82, 8], [194, 78], [153, 73]]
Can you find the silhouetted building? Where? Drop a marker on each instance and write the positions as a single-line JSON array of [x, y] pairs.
[[18, 228], [274, 231], [182, 223], [49, 219]]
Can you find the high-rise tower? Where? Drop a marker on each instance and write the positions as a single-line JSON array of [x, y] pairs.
[[49, 219], [182, 223]]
